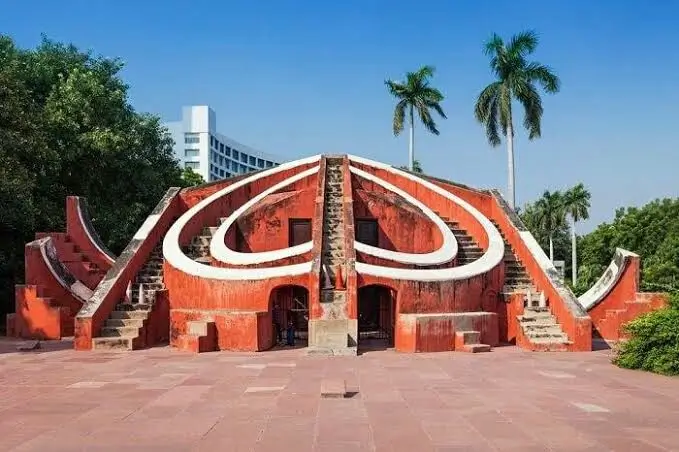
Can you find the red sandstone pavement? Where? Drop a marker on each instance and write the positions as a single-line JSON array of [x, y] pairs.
[[57, 399]]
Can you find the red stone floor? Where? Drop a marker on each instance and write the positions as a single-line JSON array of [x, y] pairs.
[[56, 399]]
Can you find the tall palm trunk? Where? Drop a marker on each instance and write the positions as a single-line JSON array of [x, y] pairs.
[[574, 254], [510, 164], [551, 247], [411, 149]]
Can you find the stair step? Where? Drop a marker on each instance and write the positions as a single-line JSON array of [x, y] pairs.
[[119, 331], [129, 315], [475, 348], [124, 322], [113, 343]]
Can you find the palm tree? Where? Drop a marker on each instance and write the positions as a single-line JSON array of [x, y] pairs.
[[576, 204], [550, 215], [516, 78], [415, 94]]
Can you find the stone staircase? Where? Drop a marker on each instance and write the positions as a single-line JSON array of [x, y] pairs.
[[468, 250], [541, 329], [333, 220], [124, 327], [333, 294], [199, 247], [470, 342], [537, 323]]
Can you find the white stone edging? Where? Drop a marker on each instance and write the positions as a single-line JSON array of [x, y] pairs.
[[445, 253], [489, 260], [94, 242], [220, 251], [174, 255], [607, 280]]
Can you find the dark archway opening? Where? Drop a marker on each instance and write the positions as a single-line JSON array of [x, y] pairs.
[[376, 317], [289, 306]]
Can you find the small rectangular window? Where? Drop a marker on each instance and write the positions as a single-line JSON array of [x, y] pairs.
[[221, 173], [260, 163], [221, 160], [243, 158], [253, 161], [191, 152], [192, 165], [191, 138], [269, 164], [234, 166], [243, 169], [227, 151], [227, 174], [235, 154], [212, 140], [221, 147]]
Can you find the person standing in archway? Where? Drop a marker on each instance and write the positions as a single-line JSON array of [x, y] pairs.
[[290, 331], [277, 325]]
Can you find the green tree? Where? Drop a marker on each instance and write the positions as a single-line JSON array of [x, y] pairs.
[[531, 216], [576, 205], [652, 231], [551, 216], [191, 178], [415, 93], [417, 167], [67, 127], [516, 78]]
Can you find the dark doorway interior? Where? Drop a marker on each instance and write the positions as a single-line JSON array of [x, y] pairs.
[[376, 317], [293, 302], [367, 232]]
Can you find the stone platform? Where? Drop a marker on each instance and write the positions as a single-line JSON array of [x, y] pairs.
[[58, 399]]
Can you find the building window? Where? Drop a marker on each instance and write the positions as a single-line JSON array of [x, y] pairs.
[[191, 138], [243, 158], [212, 141], [221, 173], [260, 163], [228, 151], [221, 147], [191, 152], [253, 161], [243, 169], [235, 154], [227, 174], [192, 165], [234, 166], [221, 160], [269, 164], [216, 144]]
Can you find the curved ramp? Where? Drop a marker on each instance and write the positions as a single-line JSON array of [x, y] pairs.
[[605, 284]]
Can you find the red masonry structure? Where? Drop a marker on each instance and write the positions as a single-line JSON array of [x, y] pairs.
[[348, 252]]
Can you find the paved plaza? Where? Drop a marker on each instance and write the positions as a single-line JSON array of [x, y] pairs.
[[56, 399]]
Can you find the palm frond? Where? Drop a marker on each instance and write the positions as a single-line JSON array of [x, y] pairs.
[[399, 116], [427, 120], [523, 43], [528, 96], [396, 89], [494, 45], [491, 125], [486, 111], [536, 72]]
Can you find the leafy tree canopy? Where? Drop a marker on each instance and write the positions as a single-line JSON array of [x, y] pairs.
[[67, 128], [652, 231]]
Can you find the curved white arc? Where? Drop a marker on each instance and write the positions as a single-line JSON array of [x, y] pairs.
[[445, 253], [220, 251], [489, 260], [607, 280], [106, 255], [174, 255]]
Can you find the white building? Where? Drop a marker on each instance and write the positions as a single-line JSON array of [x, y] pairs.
[[198, 145]]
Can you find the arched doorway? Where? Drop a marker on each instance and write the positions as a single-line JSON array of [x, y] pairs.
[[289, 306], [376, 317]]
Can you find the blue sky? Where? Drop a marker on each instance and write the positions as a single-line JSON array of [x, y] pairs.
[[294, 78]]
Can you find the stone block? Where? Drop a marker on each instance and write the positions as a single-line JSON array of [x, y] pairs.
[[332, 334], [333, 388]]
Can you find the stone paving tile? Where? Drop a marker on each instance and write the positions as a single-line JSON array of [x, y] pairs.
[[158, 399]]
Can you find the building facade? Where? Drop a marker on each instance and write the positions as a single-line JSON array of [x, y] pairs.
[[346, 251], [214, 156]]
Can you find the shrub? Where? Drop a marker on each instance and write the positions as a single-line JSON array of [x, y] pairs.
[[653, 343]]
